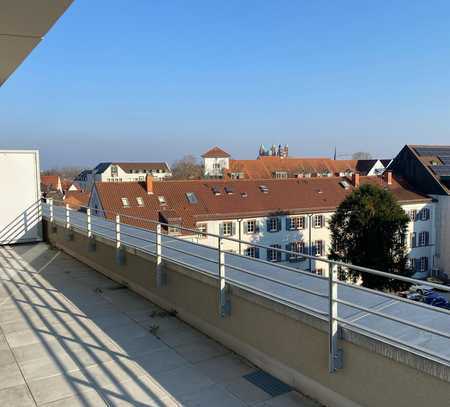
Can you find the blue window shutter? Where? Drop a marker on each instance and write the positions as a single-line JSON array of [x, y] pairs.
[[279, 255], [268, 254], [288, 223], [257, 252], [268, 224], [256, 226], [279, 224]]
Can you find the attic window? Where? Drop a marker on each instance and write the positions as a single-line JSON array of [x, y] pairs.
[[191, 197], [162, 200], [216, 191], [244, 195], [344, 184], [140, 201], [125, 203], [264, 189], [229, 190]]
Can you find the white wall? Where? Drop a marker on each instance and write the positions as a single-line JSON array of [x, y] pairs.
[[442, 231], [20, 217], [210, 162]]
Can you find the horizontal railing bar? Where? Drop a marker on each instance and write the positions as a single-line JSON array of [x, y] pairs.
[[122, 233], [319, 259], [392, 318], [391, 338], [394, 297], [278, 265], [274, 280]]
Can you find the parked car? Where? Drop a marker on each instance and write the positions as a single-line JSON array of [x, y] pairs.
[[414, 296], [421, 289]]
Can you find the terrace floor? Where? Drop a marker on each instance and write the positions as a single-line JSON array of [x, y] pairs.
[[71, 337]]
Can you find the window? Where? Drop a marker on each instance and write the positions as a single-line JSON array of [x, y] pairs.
[[252, 252], [273, 254], [318, 271], [237, 175], [424, 238], [281, 174], [295, 223], [216, 166], [251, 226], [412, 215], [318, 248], [173, 230], [413, 239], [202, 229], [425, 214], [297, 247], [191, 197], [140, 201], [424, 264], [227, 228], [162, 200], [273, 224], [114, 171], [125, 203], [319, 221]]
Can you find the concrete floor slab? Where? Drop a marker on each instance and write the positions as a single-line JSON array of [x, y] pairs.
[[70, 337]]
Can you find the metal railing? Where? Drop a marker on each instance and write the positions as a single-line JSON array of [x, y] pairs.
[[218, 263]]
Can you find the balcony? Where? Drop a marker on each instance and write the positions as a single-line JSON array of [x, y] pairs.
[[153, 294]]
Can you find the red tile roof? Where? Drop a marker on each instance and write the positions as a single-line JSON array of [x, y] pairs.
[[267, 166], [52, 180], [284, 196], [216, 152], [77, 199]]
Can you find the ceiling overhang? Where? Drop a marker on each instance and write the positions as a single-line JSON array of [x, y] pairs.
[[23, 24]]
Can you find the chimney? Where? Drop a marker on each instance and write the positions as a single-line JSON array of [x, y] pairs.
[[355, 179], [388, 177], [149, 184]]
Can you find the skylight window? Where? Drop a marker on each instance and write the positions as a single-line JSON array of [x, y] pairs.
[[344, 184], [216, 191], [140, 201], [264, 189], [125, 203], [244, 194], [191, 197], [162, 200], [229, 190]]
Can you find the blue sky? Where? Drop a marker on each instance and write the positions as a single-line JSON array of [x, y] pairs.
[[154, 80]]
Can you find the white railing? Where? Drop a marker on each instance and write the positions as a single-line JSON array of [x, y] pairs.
[[373, 313]]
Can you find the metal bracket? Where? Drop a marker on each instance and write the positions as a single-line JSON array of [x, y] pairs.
[[68, 235], [161, 276], [338, 358], [225, 306], [120, 256], [92, 244]]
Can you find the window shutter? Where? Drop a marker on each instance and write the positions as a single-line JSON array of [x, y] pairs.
[[256, 226], [221, 229], [279, 255], [257, 252], [413, 239], [245, 227], [322, 221], [288, 223], [268, 222], [268, 254], [427, 238], [233, 228], [426, 263], [279, 224]]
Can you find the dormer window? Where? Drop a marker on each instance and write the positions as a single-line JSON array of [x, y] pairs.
[[125, 203], [162, 200], [140, 201]]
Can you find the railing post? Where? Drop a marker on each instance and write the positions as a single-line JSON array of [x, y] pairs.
[[335, 354], [224, 305], [50, 203], [160, 275], [117, 231], [67, 216], [89, 222]]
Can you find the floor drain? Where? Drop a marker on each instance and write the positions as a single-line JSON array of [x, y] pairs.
[[266, 382]]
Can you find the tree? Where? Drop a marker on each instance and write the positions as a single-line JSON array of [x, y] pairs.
[[368, 229], [187, 168], [361, 155]]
